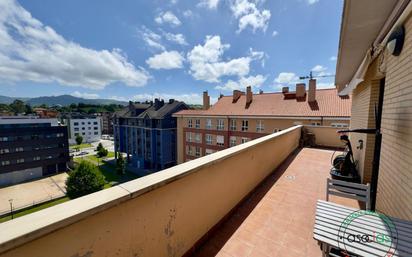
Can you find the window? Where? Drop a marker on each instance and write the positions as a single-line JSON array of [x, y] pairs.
[[259, 126], [339, 125], [83, 128], [4, 163], [232, 124], [245, 139], [95, 123], [76, 129], [59, 134], [276, 130], [315, 124], [208, 123], [83, 133], [245, 125], [208, 151], [232, 141], [36, 158], [220, 124], [4, 150], [188, 137], [95, 128], [19, 149], [198, 138], [4, 139], [189, 123], [75, 123], [19, 160], [96, 133], [189, 150], [76, 134], [208, 139], [89, 123], [82, 122], [220, 140], [197, 151], [197, 123]]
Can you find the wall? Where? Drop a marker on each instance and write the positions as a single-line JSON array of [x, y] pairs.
[[326, 136], [19, 176], [163, 214], [395, 175]]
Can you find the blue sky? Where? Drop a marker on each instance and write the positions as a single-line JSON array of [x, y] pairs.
[[134, 50]]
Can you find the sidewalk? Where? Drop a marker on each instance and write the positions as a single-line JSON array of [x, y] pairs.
[[33, 192]]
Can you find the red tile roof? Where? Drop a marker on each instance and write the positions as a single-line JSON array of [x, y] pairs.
[[328, 104]]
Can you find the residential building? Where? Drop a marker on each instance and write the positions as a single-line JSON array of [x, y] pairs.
[[31, 148], [242, 117], [107, 123], [146, 132], [375, 67], [87, 126], [45, 113]]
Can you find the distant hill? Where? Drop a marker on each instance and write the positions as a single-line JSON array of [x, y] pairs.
[[63, 100]]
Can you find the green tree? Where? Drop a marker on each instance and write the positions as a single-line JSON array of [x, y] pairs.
[[79, 139], [102, 152], [99, 146], [18, 106], [28, 109], [120, 165], [85, 179]]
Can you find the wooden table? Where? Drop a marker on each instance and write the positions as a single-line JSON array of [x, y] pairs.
[[360, 232]]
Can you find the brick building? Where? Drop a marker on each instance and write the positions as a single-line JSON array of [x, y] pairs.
[[246, 116]]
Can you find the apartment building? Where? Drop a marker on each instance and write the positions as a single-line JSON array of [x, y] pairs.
[[87, 126], [31, 148], [242, 117], [146, 132], [374, 66], [107, 123]]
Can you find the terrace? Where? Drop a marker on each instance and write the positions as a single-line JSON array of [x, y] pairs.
[[254, 199]]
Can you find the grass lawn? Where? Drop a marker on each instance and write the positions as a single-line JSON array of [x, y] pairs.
[[34, 209], [97, 159], [81, 146]]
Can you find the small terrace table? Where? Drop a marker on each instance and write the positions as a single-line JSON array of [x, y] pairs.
[[360, 232]]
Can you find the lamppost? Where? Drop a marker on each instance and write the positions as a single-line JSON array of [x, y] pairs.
[[11, 207]]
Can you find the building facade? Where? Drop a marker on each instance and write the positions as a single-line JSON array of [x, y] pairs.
[[87, 126], [107, 123], [377, 73], [31, 148], [146, 132], [242, 117]]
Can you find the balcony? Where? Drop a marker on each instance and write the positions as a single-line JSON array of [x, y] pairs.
[[253, 199]]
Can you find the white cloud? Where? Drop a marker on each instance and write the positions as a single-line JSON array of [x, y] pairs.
[[176, 38], [275, 33], [286, 78], [210, 4], [325, 85], [333, 58], [166, 60], [206, 64], [31, 51], [85, 95], [168, 17], [188, 13], [152, 39], [242, 83], [249, 15], [312, 1], [319, 68], [190, 98]]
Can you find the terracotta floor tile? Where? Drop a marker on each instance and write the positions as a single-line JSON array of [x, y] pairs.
[[277, 219]]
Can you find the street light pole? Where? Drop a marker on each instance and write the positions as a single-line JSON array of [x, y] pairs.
[[11, 207]]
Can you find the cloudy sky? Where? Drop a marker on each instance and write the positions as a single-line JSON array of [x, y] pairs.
[[137, 50]]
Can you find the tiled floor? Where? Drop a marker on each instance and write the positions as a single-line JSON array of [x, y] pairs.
[[277, 219]]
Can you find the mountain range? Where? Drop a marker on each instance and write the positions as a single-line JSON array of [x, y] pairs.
[[63, 100]]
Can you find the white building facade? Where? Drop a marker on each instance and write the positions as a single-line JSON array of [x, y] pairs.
[[89, 128]]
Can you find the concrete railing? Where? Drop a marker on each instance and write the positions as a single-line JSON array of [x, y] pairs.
[[326, 136], [163, 214]]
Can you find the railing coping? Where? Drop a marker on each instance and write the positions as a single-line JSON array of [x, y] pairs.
[[29, 227]]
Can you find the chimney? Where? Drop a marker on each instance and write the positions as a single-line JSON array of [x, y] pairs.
[[236, 95], [285, 90], [249, 96], [171, 100], [260, 91], [206, 100], [300, 90], [158, 104], [312, 90], [220, 96], [131, 107]]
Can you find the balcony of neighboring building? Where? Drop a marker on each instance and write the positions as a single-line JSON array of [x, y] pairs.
[[254, 199]]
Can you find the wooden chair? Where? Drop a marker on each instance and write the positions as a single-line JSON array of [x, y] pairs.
[[360, 192]]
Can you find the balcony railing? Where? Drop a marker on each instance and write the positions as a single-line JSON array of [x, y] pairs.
[[163, 214]]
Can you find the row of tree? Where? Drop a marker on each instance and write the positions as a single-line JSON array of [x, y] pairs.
[[16, 107]]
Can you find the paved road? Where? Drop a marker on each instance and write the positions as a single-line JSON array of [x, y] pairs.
[[32, 192]]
